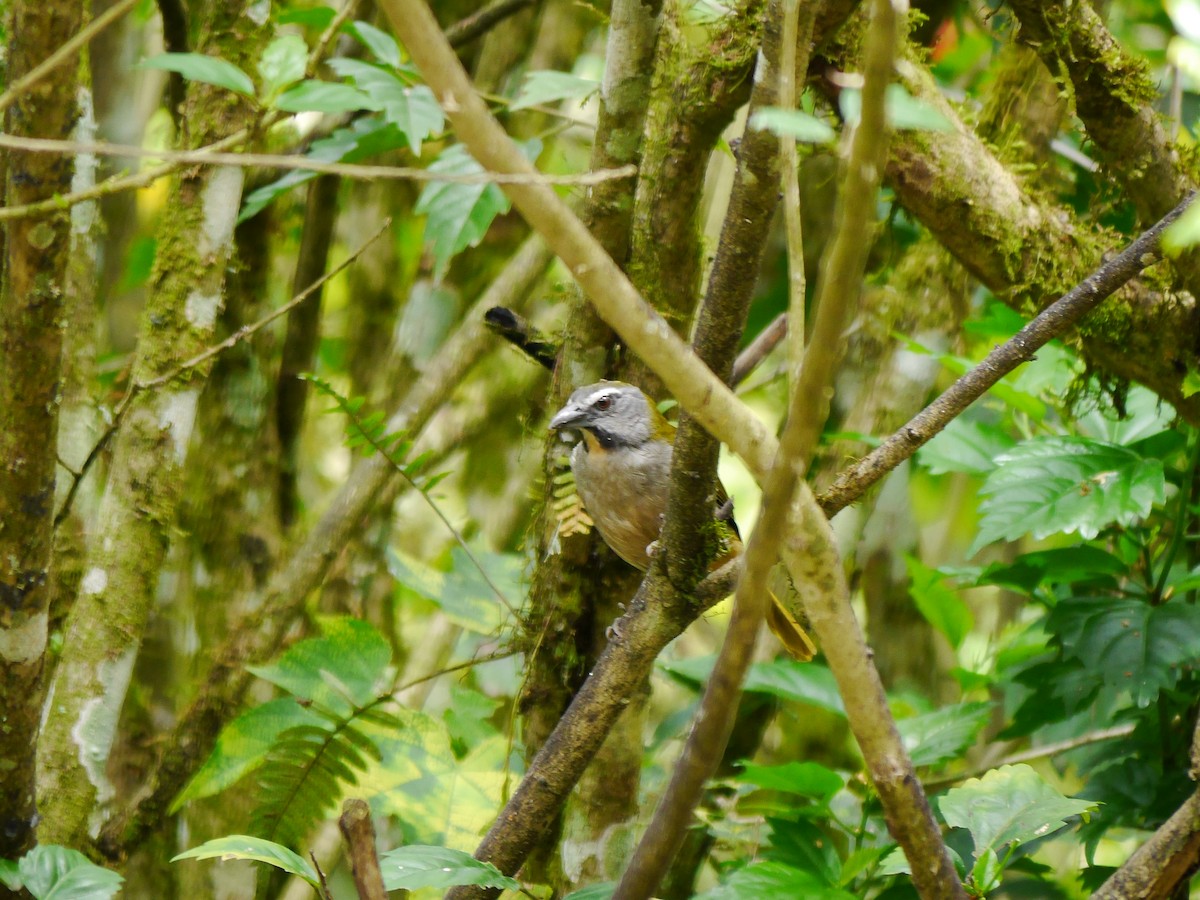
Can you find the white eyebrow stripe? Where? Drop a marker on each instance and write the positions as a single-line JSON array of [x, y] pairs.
[[596, 395]]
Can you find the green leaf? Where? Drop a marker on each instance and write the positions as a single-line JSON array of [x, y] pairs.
[[544, 86], [904, 111], [1009, 805], [381, 44], [986, 873], [944, 734], [10, 874], [1050, 485], [207, 69], [784, 678], [1184, 232], [243, 746], [794, 123], [242, 846], [323, 96], [773, 879], [50, 872], [965, 446], [459, 214], [412, 109], [350, 661], [1129, 644], [462, 593], [1063, 565], [1191, 382], [939, 603], [316, 17], [602, 891], [282, 63], [808, 779], [422, 866]]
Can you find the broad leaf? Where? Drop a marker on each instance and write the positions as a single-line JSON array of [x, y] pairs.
[[208, 69], [965, 446], [939, 603], [773, 879], [784, 678], [549, 87], [459, 214], [348, 663], [324, 96], [792, 123], [410, 108], [463, 593], [1065, 565], [904, 111], [50, 872], [381, 44], [282, 63], [366, 137], [243, 746], [1050, 485], [943, 734], [809, 779], [1012, 804], [602, 891], [1127, 643], [243, 846], [418, 866]]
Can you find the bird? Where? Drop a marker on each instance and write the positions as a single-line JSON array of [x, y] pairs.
[[622, 469]]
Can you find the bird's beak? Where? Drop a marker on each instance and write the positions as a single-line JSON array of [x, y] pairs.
[[570, 416]]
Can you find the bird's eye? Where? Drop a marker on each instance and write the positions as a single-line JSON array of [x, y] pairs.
[[603, 403]]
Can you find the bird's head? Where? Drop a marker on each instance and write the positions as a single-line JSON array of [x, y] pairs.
[[615, 414]]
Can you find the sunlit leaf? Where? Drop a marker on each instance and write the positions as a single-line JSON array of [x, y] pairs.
[[50, 872], [939, 603], [809, 779], [1057, 485], [943, 734], [411, 108], [242, 846], [904, 112], [282, 63], [965, 446], [323, 96], [419, 866], [381, 44], [1012, 804]]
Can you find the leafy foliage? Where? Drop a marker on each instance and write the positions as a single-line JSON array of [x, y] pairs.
[[49, 872], [407, 868]]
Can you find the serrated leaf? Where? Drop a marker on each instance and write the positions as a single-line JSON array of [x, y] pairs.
[[939, 603], [243, 746], [282, 62], [1127, 643], [965, 446], [313, 95], [1012, 804], [459, 215], [243, 846], [794, 123], [411, 108], [206, 69], [422, 866], [806, 778], [1056, 485], [944, 734], [545, 86], [349, 650], [381, 44], [50, 872]]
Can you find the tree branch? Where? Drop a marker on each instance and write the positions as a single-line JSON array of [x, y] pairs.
[[1052, 322]]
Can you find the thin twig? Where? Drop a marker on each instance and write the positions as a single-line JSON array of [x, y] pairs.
[[65, 52], [1053, 321], [479, 23], [328, 36], [271, 160], [1044, 752], [766, 341], [242, 334]]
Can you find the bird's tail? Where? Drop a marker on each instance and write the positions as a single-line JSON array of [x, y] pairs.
[[790, 632]]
